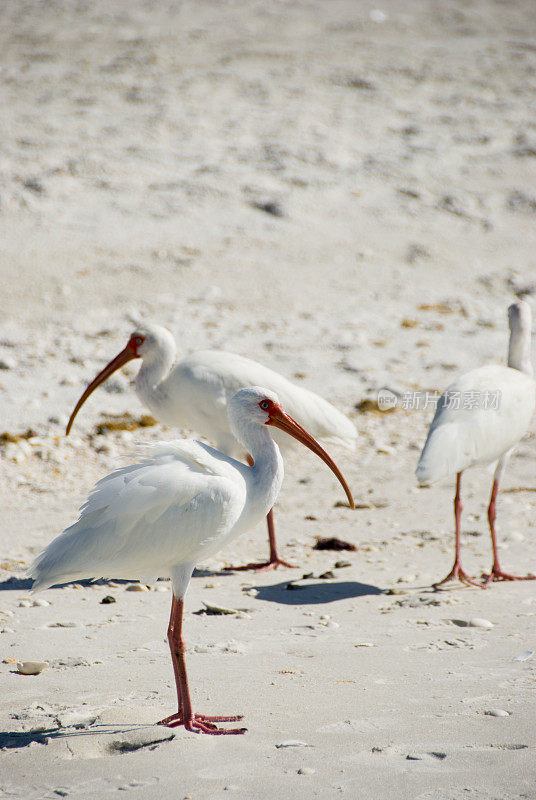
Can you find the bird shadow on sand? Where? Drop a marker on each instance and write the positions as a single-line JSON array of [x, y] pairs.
[[13, 740], [315, 593], [16, 583], [23, 584], [205, 572], [26, 583]]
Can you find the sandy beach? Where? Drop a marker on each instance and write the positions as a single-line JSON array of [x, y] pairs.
[[344, 192]]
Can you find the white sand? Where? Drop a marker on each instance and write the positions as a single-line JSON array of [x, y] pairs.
[[136, 139]]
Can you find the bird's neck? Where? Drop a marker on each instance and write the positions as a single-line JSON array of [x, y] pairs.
[[519, 355], [150, 380], [265, 477]]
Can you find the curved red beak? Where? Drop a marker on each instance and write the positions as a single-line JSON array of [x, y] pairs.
[[280, 419], [116, 363]]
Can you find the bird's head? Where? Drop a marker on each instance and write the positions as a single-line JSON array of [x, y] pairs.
[[520, 316], [255, 405], [148, 342]]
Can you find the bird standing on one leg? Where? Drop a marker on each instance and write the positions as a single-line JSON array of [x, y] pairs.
[[181, 503], [479, 419], [194, 394]]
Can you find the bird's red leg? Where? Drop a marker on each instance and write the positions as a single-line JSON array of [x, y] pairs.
[[274, 561], [496, 573], [199, 723], [457, 570]]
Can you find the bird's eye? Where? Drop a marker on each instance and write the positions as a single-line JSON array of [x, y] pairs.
[[265, 405], [138, 340]]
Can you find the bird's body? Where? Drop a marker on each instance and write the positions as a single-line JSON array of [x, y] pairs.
[[501, 404], [479, 420], [194, 394], [180, 503], [177, 491]]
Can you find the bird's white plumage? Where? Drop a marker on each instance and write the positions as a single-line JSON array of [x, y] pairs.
[[179, 503], [479, 420], [460, 437], [194, 394]]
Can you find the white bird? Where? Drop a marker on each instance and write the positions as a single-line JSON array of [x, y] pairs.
[[480, 419], [194, 394], [180, 503]]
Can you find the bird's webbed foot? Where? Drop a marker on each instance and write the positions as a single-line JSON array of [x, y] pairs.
[[262, 566], [458, 573], [201, 723], [497, 574]]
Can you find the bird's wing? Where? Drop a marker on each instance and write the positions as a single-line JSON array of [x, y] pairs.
[[208, 379], [170, 508], [318, 416], [196, 455]]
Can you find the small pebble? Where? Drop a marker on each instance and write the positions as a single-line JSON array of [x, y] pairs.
[[40, 603], [524, 656], [136, 587], [292, 743], [107, 600], [479, 622], [306, 771], [342, 564], [327, 575], [377, 15], [497, 712], [64, 625], [31, 667], [25, 604]]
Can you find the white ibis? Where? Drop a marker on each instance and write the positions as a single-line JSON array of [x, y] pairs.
[[479, 419], [194, 394], [180, 503]]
